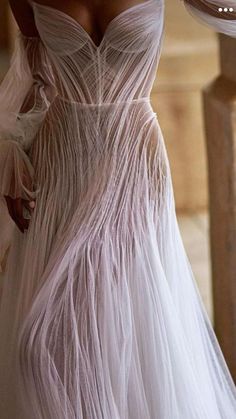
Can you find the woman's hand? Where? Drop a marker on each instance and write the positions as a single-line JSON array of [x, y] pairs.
[[15, 208]]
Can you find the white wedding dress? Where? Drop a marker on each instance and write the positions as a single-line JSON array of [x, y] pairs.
[[100, 315]]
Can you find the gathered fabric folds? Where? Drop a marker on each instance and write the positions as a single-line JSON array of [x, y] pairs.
[[100, 314], [16, 169], [25, 95]]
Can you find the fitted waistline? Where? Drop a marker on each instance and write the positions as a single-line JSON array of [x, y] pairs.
[[98, 109], [102, 104]]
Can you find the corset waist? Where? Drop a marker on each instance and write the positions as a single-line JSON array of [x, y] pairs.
[[101, 104]]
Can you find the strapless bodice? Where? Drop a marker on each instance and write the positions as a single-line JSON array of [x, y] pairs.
[[121, 68]]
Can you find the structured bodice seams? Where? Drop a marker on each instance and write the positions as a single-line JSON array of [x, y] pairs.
[[121, 68]]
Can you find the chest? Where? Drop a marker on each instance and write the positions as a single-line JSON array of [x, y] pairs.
[[93, 15]]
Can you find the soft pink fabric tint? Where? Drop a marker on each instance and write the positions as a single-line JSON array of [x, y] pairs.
[[100, 316]]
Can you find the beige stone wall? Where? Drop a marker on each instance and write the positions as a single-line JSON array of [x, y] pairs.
[[189, 61]]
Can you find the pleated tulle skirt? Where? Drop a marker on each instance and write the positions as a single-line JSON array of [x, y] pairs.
[[100, 316]]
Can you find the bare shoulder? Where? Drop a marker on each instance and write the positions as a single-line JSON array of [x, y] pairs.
[[24, 17]]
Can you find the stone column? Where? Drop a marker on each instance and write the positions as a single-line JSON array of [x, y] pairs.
[[219, 107]]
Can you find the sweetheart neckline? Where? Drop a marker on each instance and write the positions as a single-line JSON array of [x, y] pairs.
[[109, 25]]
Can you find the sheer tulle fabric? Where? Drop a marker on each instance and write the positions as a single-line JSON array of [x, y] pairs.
[[92, 319], [25, 97], [224, 22]]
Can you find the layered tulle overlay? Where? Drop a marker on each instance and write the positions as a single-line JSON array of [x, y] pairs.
[[100, 315]]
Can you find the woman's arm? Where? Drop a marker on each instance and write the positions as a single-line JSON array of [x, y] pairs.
[[26, 93], [35, 52]]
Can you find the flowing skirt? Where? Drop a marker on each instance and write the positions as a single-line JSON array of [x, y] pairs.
[[100, 316]]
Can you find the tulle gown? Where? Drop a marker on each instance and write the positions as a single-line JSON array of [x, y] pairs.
[[100, 315]]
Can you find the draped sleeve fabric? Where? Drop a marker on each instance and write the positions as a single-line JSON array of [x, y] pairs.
[[219, 15], [6, 236], [26, 93]]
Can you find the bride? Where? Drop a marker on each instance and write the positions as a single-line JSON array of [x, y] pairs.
[[100, 315]]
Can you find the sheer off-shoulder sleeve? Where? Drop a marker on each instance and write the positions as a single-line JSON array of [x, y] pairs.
[[217, 14], [26, 93]]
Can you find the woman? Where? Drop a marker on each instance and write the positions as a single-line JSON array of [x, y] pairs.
[[100, 315]]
